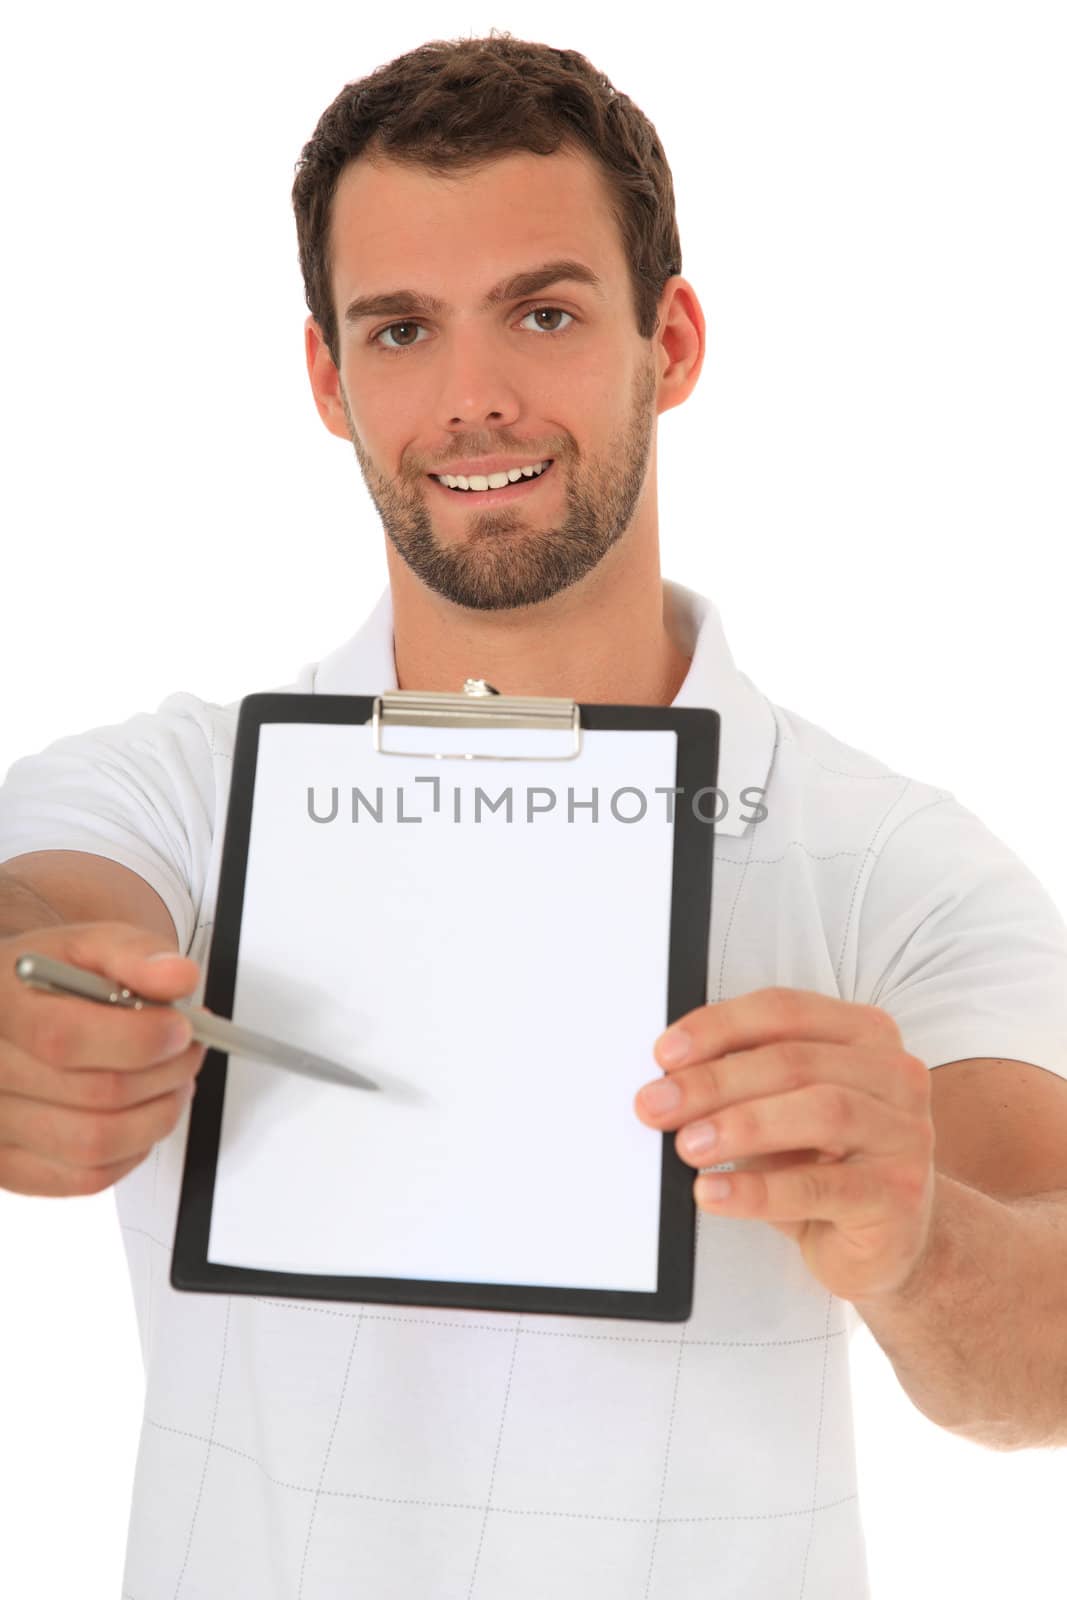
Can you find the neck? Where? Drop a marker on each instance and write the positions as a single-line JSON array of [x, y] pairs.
[[604, 640]]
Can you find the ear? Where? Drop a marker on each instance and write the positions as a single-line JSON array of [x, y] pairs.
[[325, 380], [680, 347]]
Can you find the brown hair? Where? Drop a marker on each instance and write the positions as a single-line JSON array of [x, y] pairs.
[[453, 104]]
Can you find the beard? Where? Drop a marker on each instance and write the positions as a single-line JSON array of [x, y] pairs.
[[500, 561]]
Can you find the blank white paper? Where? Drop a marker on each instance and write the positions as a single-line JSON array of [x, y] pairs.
[[503, 981]]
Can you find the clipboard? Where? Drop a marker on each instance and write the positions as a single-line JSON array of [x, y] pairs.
[[500, 972]]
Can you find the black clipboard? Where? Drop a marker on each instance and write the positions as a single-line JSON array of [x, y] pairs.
[[695, 775]]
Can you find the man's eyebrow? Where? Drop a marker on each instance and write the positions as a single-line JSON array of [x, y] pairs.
[[409, 302]]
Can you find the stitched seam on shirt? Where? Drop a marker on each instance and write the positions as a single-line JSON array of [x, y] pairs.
[[737, 896], [838, 772], [858, 908], [859, 878], [510, 1511], [929, 806], [818, 1447], [326, 1455], [226, 755], [773, 861], [207, 1453], [496, 1458], [666, 1459], [527, 1332]]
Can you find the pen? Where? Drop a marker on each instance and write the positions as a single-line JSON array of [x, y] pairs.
[[59, 977]]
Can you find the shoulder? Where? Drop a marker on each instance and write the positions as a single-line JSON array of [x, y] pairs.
[[185, 746], [830, 794], [917, 861], [890, 847], [186, 726]]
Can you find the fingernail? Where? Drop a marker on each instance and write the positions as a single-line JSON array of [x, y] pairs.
[[163, 955], [179, 1035], [674, 1046], [661, 1097], [697, 1141]]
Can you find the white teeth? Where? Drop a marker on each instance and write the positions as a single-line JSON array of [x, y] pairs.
[[496, 480]]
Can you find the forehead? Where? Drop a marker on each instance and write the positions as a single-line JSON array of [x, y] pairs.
[[389, 219]]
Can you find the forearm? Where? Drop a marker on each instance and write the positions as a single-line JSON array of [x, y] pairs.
[[21, 907], [49, 887], [978, 1338]]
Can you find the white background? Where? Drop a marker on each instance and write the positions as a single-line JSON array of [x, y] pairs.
[[868, 480]]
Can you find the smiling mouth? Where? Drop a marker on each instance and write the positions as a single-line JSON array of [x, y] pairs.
[[512, 491]]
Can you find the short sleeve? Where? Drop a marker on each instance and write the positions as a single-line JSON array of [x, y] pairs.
[[140, 792], [962, 945]]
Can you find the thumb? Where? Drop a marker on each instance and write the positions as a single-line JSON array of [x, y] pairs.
[[135, 957]]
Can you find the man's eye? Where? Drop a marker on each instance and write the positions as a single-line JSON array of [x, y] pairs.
[[409, 322], [389, 330], [556, 311]]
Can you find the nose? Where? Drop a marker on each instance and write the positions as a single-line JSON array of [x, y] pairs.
[[476, 390]]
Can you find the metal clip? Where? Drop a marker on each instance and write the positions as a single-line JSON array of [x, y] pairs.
[[416, 707]]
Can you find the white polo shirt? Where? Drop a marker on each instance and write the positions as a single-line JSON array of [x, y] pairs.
[[303, 1450]]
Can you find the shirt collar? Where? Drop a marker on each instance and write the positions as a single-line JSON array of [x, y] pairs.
[[364, 664]]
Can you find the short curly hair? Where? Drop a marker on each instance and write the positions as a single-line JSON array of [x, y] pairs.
[[453, 104]]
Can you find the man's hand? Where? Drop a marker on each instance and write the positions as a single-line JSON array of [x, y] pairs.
[[830, 1117], [86, 1089]]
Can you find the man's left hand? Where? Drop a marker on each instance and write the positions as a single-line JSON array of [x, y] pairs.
[[829, 1116]]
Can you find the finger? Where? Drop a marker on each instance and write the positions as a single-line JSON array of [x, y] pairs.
[[708, 1087], [95, 1088], [776, 1159], [826, 1117], [23, 1173], [118, 950], [88, 1139], [853, 1195], [767, 1016], [65, 1030]]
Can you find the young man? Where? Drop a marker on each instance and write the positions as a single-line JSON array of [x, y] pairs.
[[518, 308]]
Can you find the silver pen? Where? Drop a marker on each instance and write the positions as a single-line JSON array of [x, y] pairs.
[[59, 977]]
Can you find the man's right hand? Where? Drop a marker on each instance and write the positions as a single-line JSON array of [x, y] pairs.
[[87, 1089]]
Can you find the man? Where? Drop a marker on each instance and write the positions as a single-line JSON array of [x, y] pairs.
[[866, 929]]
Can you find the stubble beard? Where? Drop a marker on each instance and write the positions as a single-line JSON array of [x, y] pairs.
[[499, 563]]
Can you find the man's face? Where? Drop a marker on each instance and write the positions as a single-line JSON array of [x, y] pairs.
[[427, 390]]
